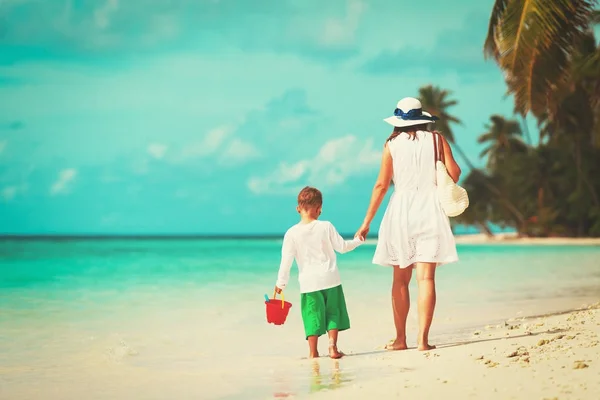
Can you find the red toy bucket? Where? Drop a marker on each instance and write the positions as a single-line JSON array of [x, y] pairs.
[[277, 310]]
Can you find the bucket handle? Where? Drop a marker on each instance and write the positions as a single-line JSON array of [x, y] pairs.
[[282, 298]]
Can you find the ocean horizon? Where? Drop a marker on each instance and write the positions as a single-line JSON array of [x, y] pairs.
[[179, 236]]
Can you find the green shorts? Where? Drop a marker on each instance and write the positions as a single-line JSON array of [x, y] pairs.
[[323, 311]]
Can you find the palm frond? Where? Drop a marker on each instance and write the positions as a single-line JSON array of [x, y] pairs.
[[451, 118], [486, 151], [486, 137], [490, 47], [531, 40], [450, 103]]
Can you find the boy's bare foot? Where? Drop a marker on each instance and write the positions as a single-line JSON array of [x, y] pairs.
[[425, 347], [314, 354], [334, 352], [396, 345]]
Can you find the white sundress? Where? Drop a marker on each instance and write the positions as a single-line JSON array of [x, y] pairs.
[[414, 227]]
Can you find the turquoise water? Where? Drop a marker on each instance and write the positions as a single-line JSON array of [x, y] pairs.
[[79, 270], [157, 309]]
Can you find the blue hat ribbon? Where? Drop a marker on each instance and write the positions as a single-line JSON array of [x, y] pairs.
[[414, 114]]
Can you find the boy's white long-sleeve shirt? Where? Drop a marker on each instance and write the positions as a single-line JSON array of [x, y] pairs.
[[313, 246]]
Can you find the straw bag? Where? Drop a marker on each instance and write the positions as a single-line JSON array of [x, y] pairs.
[[453, 198]]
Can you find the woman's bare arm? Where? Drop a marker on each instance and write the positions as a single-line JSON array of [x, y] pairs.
[[379, 190], [451, 165]]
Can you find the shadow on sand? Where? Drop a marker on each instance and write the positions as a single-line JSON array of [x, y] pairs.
[[461, 343], [467, 342]]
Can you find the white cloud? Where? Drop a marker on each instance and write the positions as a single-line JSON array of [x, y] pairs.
[[157, 150], [2, 146], [103, 13], [65, 177], [336, 161], [341, 31], [238, 151], [9, 193], [209, 144], [218, 142]]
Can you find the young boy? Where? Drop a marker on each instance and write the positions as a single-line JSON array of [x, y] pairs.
[[313, 244]]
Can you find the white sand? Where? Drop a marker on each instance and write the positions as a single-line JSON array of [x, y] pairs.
[[551, 357]]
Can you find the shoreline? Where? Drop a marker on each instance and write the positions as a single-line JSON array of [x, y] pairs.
[[511, 238]]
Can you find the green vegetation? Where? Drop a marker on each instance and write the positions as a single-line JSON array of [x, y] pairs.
[[550, 58]]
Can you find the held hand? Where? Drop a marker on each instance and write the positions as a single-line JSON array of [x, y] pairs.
[[362, 232], [278, 290]]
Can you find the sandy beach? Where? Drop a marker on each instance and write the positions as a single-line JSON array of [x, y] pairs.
[[546, 357]]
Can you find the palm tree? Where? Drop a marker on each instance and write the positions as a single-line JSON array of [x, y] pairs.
[[436, 101], [504, 137], [532, 41], [478, 213], [586, 75], [551, 63]]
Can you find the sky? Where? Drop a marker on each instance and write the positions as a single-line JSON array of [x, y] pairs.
[[208, 116]]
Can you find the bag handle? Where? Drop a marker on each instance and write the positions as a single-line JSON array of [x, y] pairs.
[[282, 298], [438, 155]]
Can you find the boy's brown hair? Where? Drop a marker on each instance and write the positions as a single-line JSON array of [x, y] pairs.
[[310, 198]]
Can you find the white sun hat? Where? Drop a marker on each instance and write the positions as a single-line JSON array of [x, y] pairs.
[[408, 112]]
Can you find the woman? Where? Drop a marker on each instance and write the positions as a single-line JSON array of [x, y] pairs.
[[415, 232]]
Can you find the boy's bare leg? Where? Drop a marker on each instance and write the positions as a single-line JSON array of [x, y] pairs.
[[312, 346], [426, 281], [333, 350], [400, 305]]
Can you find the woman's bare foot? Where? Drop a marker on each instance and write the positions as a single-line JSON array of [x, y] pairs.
[[334, 353], [396, 345], [425, 347], [314, 354]]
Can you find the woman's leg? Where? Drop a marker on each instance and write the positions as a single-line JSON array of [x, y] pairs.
[[400, 305], [426, 303]]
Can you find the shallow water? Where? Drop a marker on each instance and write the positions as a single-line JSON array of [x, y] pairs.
[[185, 318]]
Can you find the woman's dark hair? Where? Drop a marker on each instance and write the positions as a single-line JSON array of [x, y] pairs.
[[411, 130]]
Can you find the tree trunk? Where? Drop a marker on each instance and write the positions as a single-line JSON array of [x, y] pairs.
[[510, 207], [581, 178], [463, 156], [526, 130], [580, 225], [507, 204], [485, 228], [540, 207]]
